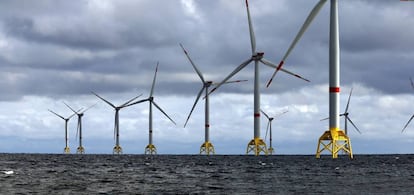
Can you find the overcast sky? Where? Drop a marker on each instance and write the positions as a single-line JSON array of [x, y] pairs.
[[54, 51]]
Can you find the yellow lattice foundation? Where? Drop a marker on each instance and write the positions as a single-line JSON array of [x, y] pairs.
[[207, 148], [150, 149], [334, 141], [80, 150], [117, 149], [257, 146], [66, 150]]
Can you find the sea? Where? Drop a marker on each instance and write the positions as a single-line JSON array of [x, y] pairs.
[[201, 174]]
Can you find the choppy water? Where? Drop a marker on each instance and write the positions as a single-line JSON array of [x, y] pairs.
[[194, 174]]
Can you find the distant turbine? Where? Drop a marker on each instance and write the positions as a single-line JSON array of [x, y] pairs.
[[66, 150], [207, 147], [80, 112], [269, 129], [256, 145], [150, 148], [117, 149], [411, 118], [346, 117]]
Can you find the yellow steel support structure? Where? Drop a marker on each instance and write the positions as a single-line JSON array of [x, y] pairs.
[[117, 149], [257, 146], [80, 150], [150, 149], [207, 148], [66, 150], [334, 141]]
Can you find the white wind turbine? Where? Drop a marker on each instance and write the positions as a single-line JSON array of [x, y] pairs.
[[117, 148], [333, 140], [256, 145], [80, 113], [207, 147], [150, 148], [346, 116], [411, 118], [269, 129], [66, 150]]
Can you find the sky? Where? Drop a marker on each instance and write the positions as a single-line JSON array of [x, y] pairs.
[[55, 51]]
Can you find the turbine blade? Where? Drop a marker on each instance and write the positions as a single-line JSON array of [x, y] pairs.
[[267, 116], [72, 115], [279, 67], [129, 101], [407, 123], [240, 67], [302, 30], [324, 119], [137, 102], [284, 112], [57, 114], [195, 103], [106, 101], [192, 63], [89, 108], [352, 123], [153, 81], [412, 83], [164, 112], [235, 81], [252, 37], [304, 27], [70, 108], [349, 99]]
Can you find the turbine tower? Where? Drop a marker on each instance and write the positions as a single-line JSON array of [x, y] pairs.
[[334, 140], [269, 129], [150, 148], [256, 145], [66, 150], [80, 113], [207, 147], [117, 148], [411, 118]]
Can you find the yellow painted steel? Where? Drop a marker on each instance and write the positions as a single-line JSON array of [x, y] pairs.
[[257, 145], [334, 141], [150, 149], [117, 149], [80, 150], [207, 148], [66, 150]]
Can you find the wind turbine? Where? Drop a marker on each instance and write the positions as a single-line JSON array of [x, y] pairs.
[[411, 118], [80, 112], [256, 145], [207, 147], [346, 117], [150, 148], [269, 127], [117, 149], [333, 140], [66, 150]]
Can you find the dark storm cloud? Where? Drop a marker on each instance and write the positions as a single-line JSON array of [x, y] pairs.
[[125, 39]]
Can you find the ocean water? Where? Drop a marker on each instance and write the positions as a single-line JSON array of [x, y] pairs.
[[196, 174]]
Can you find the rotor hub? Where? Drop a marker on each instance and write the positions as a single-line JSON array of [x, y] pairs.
[[258, 56]]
